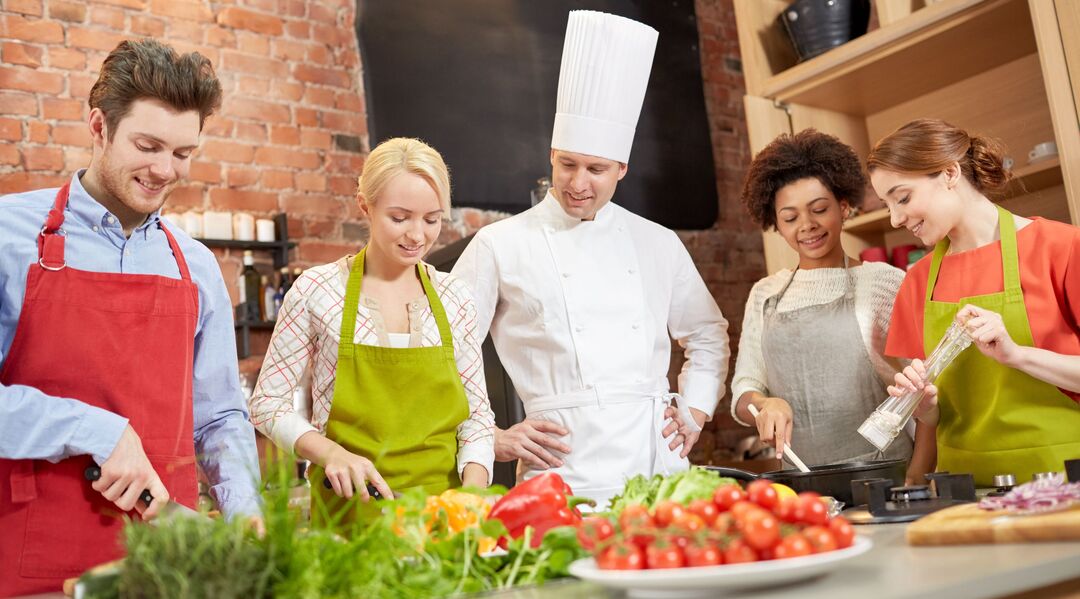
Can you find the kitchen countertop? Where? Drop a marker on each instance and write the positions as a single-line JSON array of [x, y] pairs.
[[893, 569]]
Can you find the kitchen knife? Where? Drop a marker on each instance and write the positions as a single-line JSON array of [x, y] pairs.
[[171, 509], [375, 494]]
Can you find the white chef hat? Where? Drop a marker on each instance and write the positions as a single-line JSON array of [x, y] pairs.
[[605, 69]]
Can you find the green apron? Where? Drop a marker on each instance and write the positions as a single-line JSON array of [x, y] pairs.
[[398, 407], [996, 419]]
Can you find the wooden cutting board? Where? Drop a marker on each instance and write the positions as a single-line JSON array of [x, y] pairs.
[[968, 524]]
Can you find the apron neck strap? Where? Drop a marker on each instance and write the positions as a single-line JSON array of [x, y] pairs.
[[51, 240], [1010, 260], [352, 302], [181, 263]]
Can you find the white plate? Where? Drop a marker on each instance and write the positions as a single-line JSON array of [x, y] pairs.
[[707, 580]]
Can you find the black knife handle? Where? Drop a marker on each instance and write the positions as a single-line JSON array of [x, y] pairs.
[[375, 494], [93, 473]]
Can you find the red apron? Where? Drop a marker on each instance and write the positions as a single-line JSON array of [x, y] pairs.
[[122, 342]]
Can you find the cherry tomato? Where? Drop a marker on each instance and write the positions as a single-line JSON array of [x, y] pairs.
[[740, 509], [766, 554], [594, 530], [663, 554], [641, 536], [704, 508], [785, 510], [738, 552], [724, 523], [820, 538], [842, 531], [689, 522], [726, 496], [667, 512], [811, 510], [762, 493], [761, 530], [621, 556], [635, 516], [703, 554], [794, 545]]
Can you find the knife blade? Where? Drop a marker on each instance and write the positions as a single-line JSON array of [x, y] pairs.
[[170, 510], [372, 491]]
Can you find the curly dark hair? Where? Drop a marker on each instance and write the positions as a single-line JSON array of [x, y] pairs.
[[788, 158]]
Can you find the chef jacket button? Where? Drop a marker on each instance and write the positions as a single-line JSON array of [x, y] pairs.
[[566, 275], [579, 328], [630, 271], [635, 326]]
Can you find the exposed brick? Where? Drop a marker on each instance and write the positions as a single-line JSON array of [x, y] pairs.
[[349, 101], [298, 29], [241, 176], [253, 86], [312, 74], [286, 90], [218, 126], [207, 172], [348, 122], [356, 231], [190, 31], [285, 136], [263, 5], [314, 138], [112, 18], [79, 85], [18, 103], [9, 154], [276, 179], [61, 109], [226, 151], [219, 36], [182, 9], [344, 163], [43, 158], [16, 53], [306, 117], [319, 54], [67, 58], [71, 135], [26, 7], [72, 12], [331, 34], [11, 129], [20, 181], [310, 181], [257, 109], [255, 132], [148, 26], [41, 31], [239, 18], [137, 4], [76, 158], [288, 50], [318, 252], [210, 52], [186, 197], [25, 79], [96, 39], [323, 228], [273, 156], [252, 43], [295, 8], [313, 204], [345, 186], [321, 96], [37, 132], [246, 201], [253, 65]]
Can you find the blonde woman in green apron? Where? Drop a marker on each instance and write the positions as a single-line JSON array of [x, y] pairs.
[[398, 397], [811, 356], [1009, 404]]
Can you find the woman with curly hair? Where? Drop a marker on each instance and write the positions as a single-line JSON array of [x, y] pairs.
[[811, 356]]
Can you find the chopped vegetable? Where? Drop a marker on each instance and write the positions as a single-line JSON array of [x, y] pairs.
[[1045, 495]]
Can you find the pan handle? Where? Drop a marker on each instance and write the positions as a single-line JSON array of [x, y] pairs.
[[735, 473], [372, 491]]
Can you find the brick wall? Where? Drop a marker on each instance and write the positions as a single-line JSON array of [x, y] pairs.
[[291, 135]]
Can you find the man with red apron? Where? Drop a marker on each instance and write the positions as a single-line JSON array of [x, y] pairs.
[[116, 342]]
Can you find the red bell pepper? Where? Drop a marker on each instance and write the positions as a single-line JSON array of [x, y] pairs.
[[542, 502]]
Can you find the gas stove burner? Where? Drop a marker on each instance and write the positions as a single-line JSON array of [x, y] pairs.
[[883, 503]]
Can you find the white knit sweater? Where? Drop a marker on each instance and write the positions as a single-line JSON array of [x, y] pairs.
[[876, 284]]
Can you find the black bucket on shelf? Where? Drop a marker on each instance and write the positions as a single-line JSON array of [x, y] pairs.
[[815, 26]]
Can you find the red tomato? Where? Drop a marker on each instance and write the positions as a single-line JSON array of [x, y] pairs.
[[703, 554], [704, 508], [724, 523], [594, 530], [689, 522], [726, 496], [635, 516], [621, 556], [666, 512], [663, 554], [740, 509], [785, 510], [762, 493], [811, 510], [738, 552], [766, 554], [641, 536], [761, 530], [794, 545], [842, 532], [820, 538]]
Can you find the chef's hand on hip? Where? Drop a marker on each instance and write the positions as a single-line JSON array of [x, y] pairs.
[[774, 423], [912, 379], [988, 332], [127, 473], [684, 435], [532, 442], [348, 474]]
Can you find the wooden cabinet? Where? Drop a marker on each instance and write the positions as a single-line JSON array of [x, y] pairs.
[[1004, 68]]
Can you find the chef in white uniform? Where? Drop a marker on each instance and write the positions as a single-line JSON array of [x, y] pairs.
[[582, 297]]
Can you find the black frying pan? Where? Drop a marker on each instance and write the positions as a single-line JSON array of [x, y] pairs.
[[833, 480]]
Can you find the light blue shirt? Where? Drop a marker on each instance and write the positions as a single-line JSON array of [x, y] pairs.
[[34, 425]]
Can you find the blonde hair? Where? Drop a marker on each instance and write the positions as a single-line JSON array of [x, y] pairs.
[[403, 155], [927, 146]]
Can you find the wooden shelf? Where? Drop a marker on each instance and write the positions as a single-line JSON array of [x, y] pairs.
[[927, 50], [1027, 179]]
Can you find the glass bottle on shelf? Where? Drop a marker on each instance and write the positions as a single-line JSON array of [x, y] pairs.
[[250, 296], [894, 413], [268, 291]]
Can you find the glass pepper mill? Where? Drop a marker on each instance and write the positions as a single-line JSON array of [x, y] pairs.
[[882, 427]]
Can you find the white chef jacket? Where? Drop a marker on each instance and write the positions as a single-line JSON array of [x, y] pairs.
[[580, 313]]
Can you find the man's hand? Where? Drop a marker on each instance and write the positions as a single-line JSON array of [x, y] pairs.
[[127, 473], [530, 441], [684, 437]]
